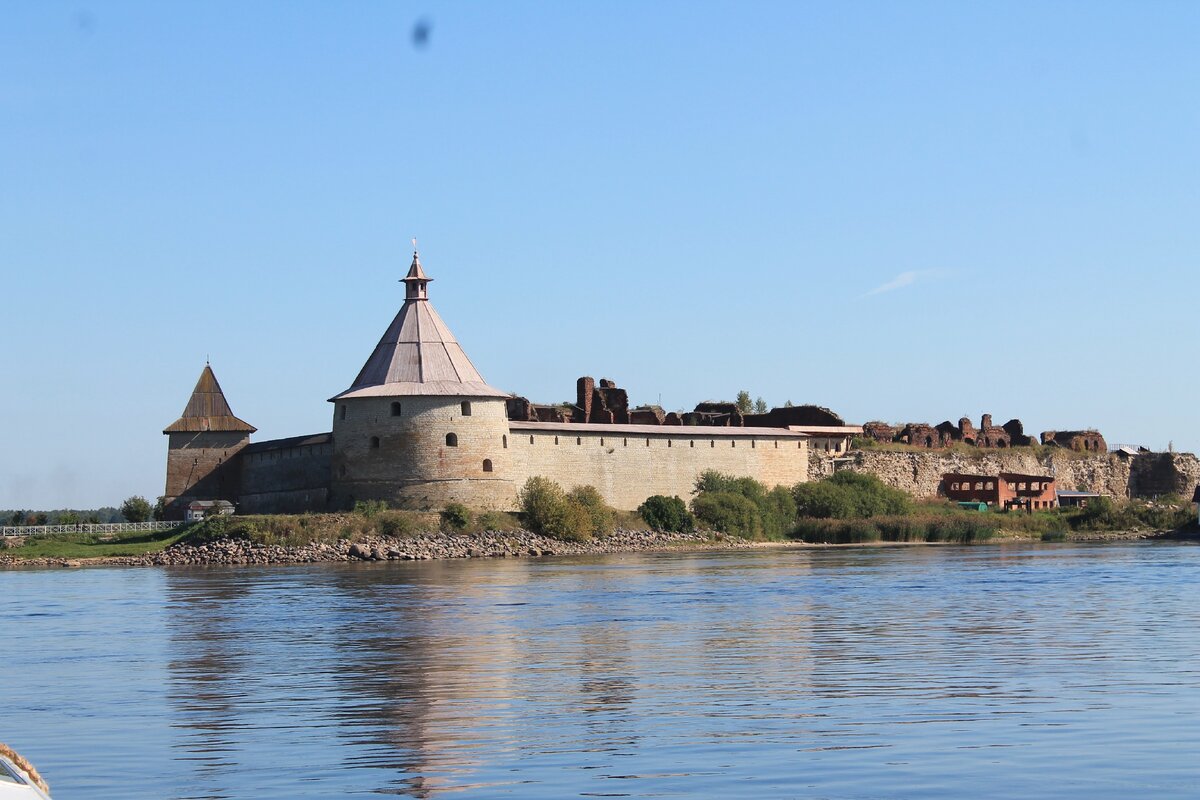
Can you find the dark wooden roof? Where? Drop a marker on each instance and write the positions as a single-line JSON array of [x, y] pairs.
[[289, 442], [208, 410]]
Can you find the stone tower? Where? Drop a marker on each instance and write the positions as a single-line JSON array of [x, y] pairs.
[[201, 446], [420, 427]]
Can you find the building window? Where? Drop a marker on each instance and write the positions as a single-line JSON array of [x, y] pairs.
[[374, 442], [1021, 487], [692, 443], [954, 487], [504, 439], [487, 465], [556, 440], [578, 440], [342, 471], [712, 442], [991, 485], [647, 443], [625, 442], [451, 440], [733, 443], [395, 409], [343, 412], [753, 444], [979, 486], [531, 439], [466, 408], [668, 442]]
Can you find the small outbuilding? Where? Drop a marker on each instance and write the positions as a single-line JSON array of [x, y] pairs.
[[199, 509], [1076, 499]]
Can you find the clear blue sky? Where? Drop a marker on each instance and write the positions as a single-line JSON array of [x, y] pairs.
[[902, 211]]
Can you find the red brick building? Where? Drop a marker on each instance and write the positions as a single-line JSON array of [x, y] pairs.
[[1006, 490]]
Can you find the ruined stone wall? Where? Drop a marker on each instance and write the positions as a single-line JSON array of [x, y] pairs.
[[287, 480], [920, 473], [627, 468]]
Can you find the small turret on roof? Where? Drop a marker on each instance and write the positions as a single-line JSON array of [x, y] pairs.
[[418, 355], [208, 410]]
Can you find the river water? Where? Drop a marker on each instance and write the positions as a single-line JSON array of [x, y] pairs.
[[990, 671]]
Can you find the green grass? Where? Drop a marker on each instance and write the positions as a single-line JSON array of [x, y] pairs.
[[94, 545]]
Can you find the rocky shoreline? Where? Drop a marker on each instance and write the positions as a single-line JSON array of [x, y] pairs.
[[418, 547], [490, 544]]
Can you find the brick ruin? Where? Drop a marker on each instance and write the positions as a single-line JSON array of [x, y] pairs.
[[986, 435], [1089, 441], [606, 403]]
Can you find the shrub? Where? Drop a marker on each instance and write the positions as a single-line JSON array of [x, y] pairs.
[[728, 513], [846, 495], [664, 513], [136, 509], [496, 521], [599, 515], [396, 523], [774, 510], [777, 509], [456, 516], [369, 508], [547, 511]]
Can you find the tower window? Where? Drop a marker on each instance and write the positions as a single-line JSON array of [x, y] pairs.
[[395, 409], [343, 412], [487, 465], [451, 440], [504, 439], [466, 408], [374, 442]]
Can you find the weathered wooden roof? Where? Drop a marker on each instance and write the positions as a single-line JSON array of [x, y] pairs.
[[208, 410], [418, 355], [291, 441], [670, 431]]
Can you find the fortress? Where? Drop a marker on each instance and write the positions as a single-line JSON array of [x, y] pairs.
[[420, 428]]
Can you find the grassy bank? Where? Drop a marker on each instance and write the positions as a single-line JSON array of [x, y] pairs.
[[96, 545]]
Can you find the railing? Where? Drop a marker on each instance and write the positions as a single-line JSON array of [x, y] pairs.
[[87, 527]]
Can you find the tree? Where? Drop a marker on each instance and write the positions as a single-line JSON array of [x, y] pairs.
[[136, 509], [160, 508], [744, 404], [18, 518], [760, 406], [788, 404]]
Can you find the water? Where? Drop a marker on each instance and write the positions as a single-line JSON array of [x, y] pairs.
[[1055, 670]]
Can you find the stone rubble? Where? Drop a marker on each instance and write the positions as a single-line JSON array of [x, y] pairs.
[[418, 547]]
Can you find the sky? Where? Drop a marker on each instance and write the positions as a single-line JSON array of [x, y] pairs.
[[902, 211]]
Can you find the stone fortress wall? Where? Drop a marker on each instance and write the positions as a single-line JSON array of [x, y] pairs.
[[628, 463], [285, 476]]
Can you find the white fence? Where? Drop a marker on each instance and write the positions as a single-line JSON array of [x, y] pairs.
[[84, 527]]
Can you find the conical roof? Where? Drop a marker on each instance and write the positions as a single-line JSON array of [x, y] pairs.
[[208, 410], [418, 355]]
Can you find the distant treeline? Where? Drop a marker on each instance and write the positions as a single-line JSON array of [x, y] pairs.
[[60, 516]]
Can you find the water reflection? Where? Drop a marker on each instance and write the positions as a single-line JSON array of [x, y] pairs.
[[816, 672]]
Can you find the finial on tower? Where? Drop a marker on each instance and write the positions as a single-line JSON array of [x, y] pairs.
[[416, 283]]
